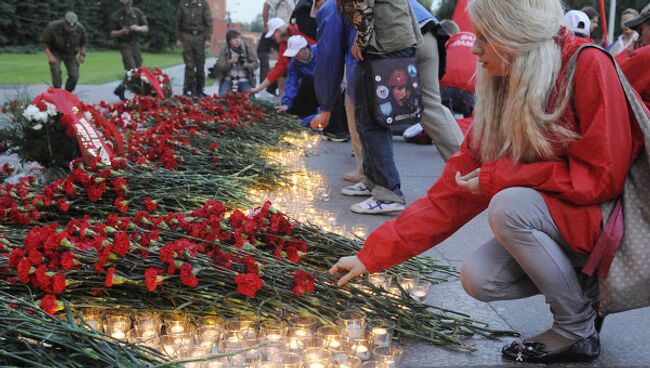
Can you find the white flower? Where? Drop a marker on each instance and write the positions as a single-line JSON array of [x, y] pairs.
[[30, 111], [51, 109], [88, 116], [41, 116], [38, 126]]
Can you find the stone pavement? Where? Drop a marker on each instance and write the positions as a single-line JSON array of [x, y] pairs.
[[623, 337]]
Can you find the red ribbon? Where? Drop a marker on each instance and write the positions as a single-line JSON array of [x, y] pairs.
[[153, 81], [91, 141]]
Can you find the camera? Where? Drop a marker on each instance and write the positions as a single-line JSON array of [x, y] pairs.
[[241, 60]]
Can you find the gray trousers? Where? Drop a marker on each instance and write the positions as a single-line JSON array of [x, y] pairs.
[[437, 120], [527, 257]]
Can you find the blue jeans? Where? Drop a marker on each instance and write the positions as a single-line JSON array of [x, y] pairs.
[[224, 87], [379, 167]]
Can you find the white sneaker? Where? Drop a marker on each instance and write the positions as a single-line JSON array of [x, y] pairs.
[[371, 206], [358, 189]]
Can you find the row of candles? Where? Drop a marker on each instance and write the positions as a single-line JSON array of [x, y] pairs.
[[300, 342]]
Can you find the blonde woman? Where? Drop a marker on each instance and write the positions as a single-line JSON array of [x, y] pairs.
[[541, 157]]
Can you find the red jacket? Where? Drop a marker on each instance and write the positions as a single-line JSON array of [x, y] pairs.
[[282, 64], [461, 62], [591, 170], [636, 70]]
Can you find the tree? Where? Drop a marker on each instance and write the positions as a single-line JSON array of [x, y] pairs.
[[23, 21], [256, 25]]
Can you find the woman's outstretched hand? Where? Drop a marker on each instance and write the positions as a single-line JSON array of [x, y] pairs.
[[469, 182], [351, 265]]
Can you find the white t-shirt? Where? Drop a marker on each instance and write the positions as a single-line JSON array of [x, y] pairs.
[[282, 8]]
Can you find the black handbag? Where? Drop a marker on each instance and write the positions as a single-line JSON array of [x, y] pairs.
[[395, 96]]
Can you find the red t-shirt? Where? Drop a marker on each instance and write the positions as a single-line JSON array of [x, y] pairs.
[[461, 63], [636, 70]]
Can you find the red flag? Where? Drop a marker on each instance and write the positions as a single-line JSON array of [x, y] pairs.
[[91, 141], [461, 17], [603, 21]]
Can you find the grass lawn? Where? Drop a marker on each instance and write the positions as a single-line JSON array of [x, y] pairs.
[[100, 67]]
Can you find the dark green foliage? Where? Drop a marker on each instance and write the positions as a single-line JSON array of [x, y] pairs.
[[22, 21]]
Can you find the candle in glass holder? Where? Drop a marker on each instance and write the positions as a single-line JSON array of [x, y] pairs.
[[353, 322], [408, 280], [331, 335], [207, 335], [361, 350], [287, 359], [117, 327], [388, 355], [348, 361], [92, 317], [317, 358], [420, 291], [305, 323], [273, 331], [380, 279], [176, 323], [382, 331]]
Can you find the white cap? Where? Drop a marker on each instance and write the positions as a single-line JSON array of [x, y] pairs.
[[578, 22], [273, 25], [294, 45]]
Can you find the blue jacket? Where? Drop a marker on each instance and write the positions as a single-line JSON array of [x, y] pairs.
[[336, 37], [296, 72]]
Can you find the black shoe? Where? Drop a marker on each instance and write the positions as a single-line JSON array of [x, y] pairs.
[[584, 350], [341, 137], [119, 92]]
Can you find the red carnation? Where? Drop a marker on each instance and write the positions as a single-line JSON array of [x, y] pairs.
[[121, 244], [24, 266], [121, 204], [303, 282], [58, 283], [63, 205], [49, 304], [67, 261], [187, 275], [109, 277], [151, 278], [35, 257], [292, 254], [150, 204], [248, 284], [213, 147], [15, 256], [120, 186]]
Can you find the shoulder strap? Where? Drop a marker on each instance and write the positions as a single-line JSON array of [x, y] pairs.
[[637, 106]]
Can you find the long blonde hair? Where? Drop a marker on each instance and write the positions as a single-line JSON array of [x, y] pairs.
[[511, 115]]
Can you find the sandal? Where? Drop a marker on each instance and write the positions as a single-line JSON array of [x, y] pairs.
[[584, 350]]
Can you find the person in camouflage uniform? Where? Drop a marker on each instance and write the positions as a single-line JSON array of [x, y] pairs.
[[194, 31], [127, 24], [62, 40]]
